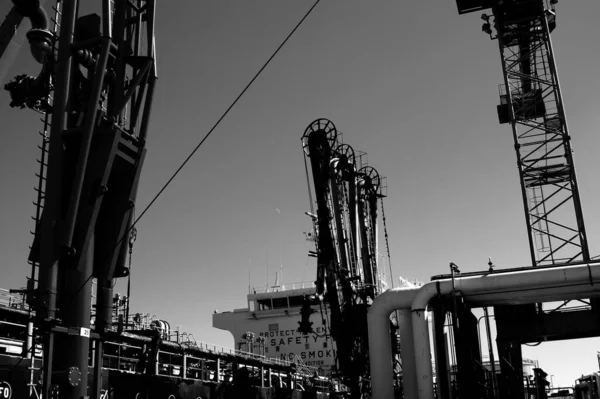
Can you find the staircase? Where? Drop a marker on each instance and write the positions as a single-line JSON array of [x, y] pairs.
[[303, 369]]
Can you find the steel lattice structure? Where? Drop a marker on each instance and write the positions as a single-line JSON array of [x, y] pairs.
[[531, 101]]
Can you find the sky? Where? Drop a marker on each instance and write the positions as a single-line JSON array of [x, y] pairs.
[[415, 86]]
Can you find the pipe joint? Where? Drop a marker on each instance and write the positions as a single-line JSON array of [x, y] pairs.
[[40, 44], [40, 38]]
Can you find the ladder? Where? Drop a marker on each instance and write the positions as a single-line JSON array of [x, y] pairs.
[[40, 188]]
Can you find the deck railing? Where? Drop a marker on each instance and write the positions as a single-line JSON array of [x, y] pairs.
[[10, 300], [281, 287]]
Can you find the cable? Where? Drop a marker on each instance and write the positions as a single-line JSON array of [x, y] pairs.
[[212, 129]]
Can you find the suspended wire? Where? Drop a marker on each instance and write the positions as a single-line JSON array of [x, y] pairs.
[[212, 129]]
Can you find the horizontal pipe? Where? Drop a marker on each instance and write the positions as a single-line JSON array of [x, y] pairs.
[[554, 284], [380, 347]]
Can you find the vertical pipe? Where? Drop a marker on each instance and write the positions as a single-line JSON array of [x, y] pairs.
[[119, 27], [490, 348], [104, 305], [151, 14], [409, 374], [99, 352], [366, 262], [438, 354], [48, 351], [380, 344], [50, 239], [150, 18], [352, 212], [75, 313], [29, 341], [147, 107], [380, 349], [422, 354], [86, 141], [341, 240], [441, 350], [137, 30], [375, 241], [106, 19]]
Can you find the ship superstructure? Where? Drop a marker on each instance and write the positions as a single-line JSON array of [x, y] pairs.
[[269, 327]]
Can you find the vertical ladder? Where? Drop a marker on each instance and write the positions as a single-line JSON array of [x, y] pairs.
[[40, 188]]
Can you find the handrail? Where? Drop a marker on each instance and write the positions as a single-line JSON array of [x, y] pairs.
[[11, 300], [280, 288]]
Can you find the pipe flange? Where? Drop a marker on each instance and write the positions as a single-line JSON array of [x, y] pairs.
[[73, 376], [40, 42]]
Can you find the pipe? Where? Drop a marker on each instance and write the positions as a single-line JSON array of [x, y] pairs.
[[490, 349], [33, 10], [40, 38], [27, 90], [556, 283], [380, 347]]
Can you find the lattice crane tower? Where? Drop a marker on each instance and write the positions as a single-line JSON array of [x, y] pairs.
[[531, 102]]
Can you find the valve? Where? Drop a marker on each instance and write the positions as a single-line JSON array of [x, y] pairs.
[[305, 325]]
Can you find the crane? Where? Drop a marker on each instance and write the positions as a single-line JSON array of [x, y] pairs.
[[95, 91], [348, 279], [531, 103]]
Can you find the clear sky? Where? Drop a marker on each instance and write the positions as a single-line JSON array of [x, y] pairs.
[[413, 84]]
